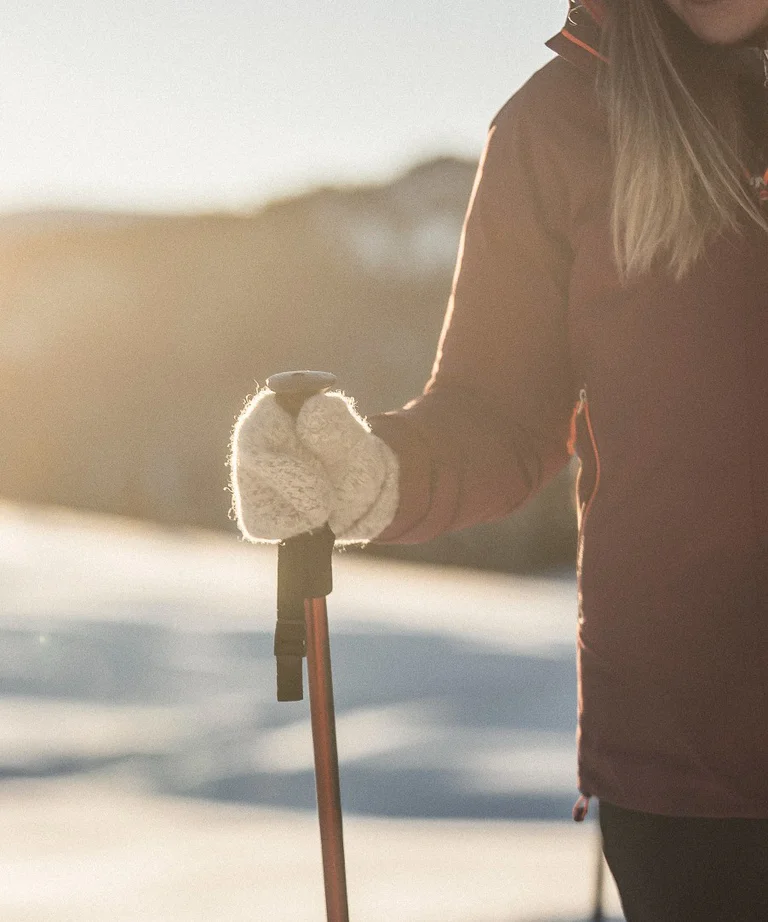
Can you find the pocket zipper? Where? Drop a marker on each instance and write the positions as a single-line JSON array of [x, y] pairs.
[[583, 408]]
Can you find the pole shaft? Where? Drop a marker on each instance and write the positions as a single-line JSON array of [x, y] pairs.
[[326, 759]]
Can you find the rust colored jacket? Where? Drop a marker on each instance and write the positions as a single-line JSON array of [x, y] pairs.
[[662, 390]]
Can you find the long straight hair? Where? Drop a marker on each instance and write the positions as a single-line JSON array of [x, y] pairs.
[[679, 138]]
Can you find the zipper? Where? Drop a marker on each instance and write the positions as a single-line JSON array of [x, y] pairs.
[[581, 807], [583, 410]]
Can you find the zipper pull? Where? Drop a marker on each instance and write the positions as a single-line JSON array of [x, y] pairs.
[[583, 398], [581, 808]]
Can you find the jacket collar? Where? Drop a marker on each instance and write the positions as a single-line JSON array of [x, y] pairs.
[[579, 39]]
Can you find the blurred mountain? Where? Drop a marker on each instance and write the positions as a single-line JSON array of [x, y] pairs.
[[129, 342]]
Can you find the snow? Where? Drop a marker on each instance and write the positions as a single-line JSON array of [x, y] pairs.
[[110, 853], [149, 774]]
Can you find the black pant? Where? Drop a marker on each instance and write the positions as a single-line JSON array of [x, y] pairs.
[[671, 869]]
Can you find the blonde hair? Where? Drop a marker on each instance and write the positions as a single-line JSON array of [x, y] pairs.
[[679, 138]]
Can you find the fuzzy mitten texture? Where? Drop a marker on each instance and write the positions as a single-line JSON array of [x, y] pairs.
[[291, 476]]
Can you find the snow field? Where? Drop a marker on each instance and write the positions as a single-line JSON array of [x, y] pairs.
[[112, 841]]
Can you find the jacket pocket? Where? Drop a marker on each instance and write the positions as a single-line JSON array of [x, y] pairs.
[[585, 507]]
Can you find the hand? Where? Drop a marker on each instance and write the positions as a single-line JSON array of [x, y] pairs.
[[292, 476]]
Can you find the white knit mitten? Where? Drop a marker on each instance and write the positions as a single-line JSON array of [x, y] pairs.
[[291, 476]]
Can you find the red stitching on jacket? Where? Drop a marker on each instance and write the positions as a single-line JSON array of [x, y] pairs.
[[577, 41]]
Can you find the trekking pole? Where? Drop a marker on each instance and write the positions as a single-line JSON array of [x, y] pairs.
[[598, 913], [304, 579]]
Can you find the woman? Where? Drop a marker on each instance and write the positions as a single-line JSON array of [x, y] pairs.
[[611, 298]]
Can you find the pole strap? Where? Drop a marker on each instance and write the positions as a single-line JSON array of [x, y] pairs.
[[303, 572]]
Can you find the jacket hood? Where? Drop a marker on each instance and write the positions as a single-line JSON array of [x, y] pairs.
[[579, 39]]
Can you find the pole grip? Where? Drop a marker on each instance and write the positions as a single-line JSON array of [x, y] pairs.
[[303, 562], [304, 578], [292, 388]]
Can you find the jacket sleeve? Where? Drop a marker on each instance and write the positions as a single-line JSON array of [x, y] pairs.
[[494, 421]]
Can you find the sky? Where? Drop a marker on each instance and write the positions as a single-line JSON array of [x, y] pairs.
[[163, 105]]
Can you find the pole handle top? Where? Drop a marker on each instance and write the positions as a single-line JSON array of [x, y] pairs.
[[292, 388], [301, 382]]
